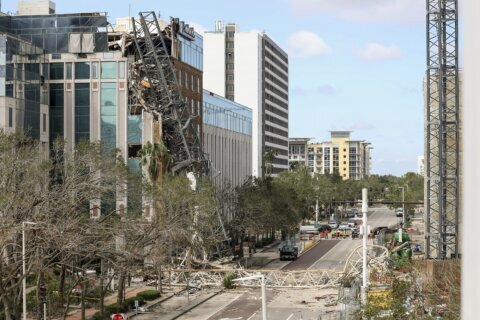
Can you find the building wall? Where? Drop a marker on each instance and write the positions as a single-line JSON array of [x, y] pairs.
[[248, 89], [260, 81], [227, 140], [353, 157], [214, 62]]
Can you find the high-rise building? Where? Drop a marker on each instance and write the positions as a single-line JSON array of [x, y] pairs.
[[251, 69], [227, 139], [347, 157]]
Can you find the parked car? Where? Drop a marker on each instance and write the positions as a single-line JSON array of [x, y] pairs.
[[333, 224]]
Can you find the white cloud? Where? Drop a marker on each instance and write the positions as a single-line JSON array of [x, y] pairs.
[[376, 52], [397, 11], [198, 27], [305, 43]]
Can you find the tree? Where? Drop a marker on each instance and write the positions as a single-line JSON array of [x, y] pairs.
[[268, 159]]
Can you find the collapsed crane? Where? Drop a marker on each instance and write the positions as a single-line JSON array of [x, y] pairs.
[[153, 85]]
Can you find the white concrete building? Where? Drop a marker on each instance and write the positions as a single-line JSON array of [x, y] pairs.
[[249, 68]]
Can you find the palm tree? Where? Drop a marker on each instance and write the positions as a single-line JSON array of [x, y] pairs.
[[155, 157], [268, 158]]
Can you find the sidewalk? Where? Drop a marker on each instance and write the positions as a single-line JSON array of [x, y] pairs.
[[111, 299]]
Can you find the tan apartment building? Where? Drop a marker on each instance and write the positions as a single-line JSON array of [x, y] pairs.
[[341, 154]]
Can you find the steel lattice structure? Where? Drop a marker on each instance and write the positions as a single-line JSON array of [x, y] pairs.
[[154, 86], [442, 130]]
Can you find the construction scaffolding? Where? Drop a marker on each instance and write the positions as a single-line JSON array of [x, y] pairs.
[[442, 131], [153, 86]]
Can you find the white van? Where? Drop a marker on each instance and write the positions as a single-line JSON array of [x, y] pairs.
[[308, 229]]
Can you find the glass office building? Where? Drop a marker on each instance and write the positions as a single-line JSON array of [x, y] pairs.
[[227, 139]]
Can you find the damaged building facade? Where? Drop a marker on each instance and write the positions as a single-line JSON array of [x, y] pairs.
[[66, 76]]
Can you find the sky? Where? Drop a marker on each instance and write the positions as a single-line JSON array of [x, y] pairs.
[[354, 65]]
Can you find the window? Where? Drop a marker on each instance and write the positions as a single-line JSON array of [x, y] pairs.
[[344, 156], [109, 70], [193, 83], [198, 85], [229, 88], [69, 70], [121, 69], [94, 70], [108, 104], [56, 71], [344, 162], [19, 71], [82, 70], [56, 111], [229, 66], [179, 77], [10, 117], [44, 124], [82, 111], [230, 44], [344, 150]]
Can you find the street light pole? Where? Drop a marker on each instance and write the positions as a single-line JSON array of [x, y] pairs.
[[24, 270], [316, 214], [365, 235], [403, 204]]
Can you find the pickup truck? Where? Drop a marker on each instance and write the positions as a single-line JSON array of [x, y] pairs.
[[288, 252]]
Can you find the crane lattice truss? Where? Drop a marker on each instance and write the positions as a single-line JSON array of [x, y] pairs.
[[154, 86], [442, 130]]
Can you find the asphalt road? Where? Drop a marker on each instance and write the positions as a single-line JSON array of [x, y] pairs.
[[338, 255], [308, 258]]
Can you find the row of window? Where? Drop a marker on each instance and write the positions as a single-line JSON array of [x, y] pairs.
[[276, 51], [85, 70], [276, 71], [189, 81], [276, 61], [276, 101], [276, 121], [276, 81], [280, 142], [276, 91]]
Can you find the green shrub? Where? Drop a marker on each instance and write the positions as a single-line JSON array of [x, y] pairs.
[[115, 308], [98, 316], [149, 294], [227, 281], [130, 302]]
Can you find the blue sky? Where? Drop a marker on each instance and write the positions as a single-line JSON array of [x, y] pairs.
[[354, 65]]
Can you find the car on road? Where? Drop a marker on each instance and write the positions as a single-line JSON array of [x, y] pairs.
[[343, 227], [399, 212], [324, 227], [288, 252], [352, 223], [333, 224]]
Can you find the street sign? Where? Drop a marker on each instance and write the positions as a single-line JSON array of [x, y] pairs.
[[246, 251], [136, 304], [118, 316]]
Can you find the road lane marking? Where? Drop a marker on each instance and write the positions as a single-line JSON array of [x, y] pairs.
[[253, 315], [290, 316]]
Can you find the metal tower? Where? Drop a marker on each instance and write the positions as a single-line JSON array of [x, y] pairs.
[[442, 131], [155, 87]]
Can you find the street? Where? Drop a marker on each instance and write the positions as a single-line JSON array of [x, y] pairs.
[[283, 303]]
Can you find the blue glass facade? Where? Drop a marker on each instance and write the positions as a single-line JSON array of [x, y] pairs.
[[108, 105], [191, 52], [226, 114]]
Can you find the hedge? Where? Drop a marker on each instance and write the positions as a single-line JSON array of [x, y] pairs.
[[149, 294]]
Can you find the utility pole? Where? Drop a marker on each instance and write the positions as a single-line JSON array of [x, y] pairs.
[[365, 235]]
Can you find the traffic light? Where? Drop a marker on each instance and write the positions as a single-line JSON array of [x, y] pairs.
[[43, 293]]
